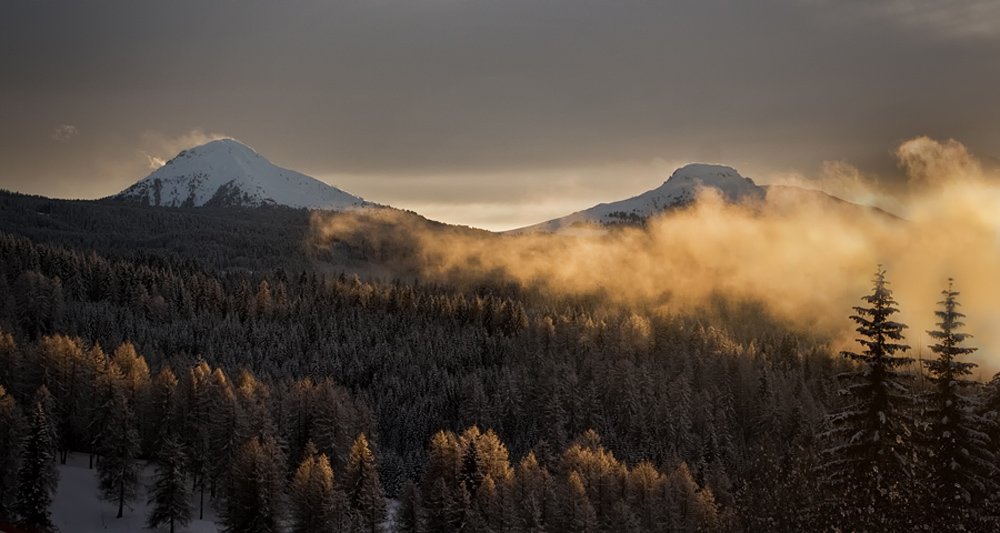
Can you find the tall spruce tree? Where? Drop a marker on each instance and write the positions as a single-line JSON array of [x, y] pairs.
[[161, 407], [118, 471], [254, 503], [37, 476], [961, 464], [170, 497], [11, 436], [407, 519], [364, 488], [869, 466]]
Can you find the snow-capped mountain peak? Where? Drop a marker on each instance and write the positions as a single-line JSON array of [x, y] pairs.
[[226, 172], [680, 189]]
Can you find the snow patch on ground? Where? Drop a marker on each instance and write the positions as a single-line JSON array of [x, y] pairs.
[[77, 509]]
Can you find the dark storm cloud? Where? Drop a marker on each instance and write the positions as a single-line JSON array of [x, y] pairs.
[[452, 87]]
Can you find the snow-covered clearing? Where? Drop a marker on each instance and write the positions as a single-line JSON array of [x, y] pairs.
[[77, 508]]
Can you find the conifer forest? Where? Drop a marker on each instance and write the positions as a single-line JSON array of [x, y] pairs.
[[331, 388]]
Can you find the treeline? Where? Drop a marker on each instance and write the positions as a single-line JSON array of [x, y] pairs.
[[228, 440], [903, 458], [468, 484], [217, 238], [423, 358], [236, 443]]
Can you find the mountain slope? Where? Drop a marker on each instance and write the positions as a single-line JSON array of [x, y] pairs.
[[227, 173], [682, 188], [679, 190]]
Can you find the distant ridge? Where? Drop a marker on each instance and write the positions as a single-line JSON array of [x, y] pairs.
[[681, 189], [228, 173]]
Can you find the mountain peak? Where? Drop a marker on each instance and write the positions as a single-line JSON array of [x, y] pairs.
[[703, 171], [220, 146], [226, 172], [680, 189]]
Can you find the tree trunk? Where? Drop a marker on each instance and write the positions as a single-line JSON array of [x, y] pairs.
[[121, 498], [201, 505]]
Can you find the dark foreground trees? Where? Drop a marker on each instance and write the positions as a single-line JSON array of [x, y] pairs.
[[869, 465], [170, 497], [255, 502], [37, 476], [961, 466], [364, 488], [317, 504], [119, 470], [11, 436]]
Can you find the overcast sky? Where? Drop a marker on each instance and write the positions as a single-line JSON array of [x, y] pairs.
[[493, 113]]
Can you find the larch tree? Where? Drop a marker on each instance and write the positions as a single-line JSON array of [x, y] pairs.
[[868, 468], [577, 512], [170, 497], [440, 491], [687, 507], [316, 504], [532, 491], [37, 476], [364, 488], [961, 464]]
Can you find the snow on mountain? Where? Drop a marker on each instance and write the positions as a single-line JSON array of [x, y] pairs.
[[679, 190], [227, 173]]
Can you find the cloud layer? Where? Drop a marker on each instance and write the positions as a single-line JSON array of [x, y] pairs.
[[809, 258]]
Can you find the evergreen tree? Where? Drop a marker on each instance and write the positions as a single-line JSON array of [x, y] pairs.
[[363, 487], [962, 466], [11, 435], [438, 508], [170, 497], [869, 466], [37, 476], [197, 408], [407, 517], [118, 470], [254, 502], [10, 362], [162, 409]]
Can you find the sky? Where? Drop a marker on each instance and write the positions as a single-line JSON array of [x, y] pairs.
[[492, 113]]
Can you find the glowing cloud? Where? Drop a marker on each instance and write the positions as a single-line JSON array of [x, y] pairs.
[[807, 256]]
